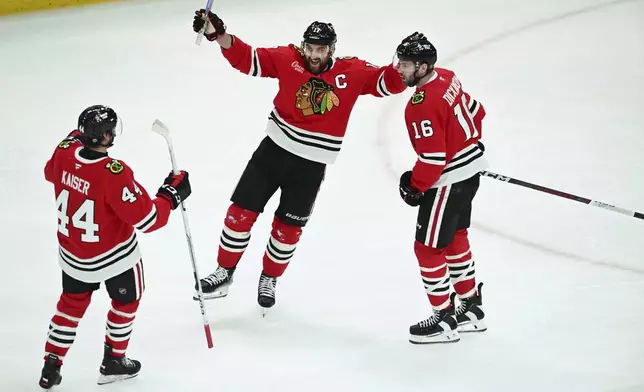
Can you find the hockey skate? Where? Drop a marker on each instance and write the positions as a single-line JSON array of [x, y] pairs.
[[440, 327], [266, 293], [469, 313], [216, 285], [50, 376], [116, 368]]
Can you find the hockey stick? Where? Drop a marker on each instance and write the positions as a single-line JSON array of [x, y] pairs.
[[565, 195], [162, 129], [202, 31]]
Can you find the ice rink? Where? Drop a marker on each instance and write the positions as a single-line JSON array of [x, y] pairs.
[[563, 85]]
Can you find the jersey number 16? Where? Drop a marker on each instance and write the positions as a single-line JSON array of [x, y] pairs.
[[460, 111]]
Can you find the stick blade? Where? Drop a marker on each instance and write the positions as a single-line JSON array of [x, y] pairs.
[[199, 39], [159, 127]]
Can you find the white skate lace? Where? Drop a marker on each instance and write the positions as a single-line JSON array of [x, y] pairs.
[[267, 286], [463, 306], [127, 362], [220, 275], [432, 320]]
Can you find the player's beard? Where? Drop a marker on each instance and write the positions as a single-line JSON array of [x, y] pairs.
[[317, 67], [413, 80]]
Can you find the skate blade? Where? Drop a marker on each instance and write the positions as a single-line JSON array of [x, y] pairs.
[[443, 337], [222, 293], [468, 327], [264, 311], [103, 379]]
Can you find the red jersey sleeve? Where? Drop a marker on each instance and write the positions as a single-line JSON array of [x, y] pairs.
[[260, 62], [68, 142], [49, 169], [132, 204], [430, 144], [380, 81]]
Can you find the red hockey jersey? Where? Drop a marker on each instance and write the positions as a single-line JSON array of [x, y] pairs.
[[312, 111], [444, 125], [99, 204]]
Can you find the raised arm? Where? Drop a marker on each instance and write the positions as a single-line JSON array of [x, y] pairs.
[[380, 81], [260, 62]]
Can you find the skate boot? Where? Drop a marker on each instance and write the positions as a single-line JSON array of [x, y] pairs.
[[116, 368], [469, 313], [440, 327], [50, 376], [216, 285], [266, 292]]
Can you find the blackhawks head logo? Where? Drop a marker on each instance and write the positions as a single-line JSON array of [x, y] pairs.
[[418, 97], [316, 97]]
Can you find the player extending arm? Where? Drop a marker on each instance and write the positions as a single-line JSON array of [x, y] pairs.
[[100, 205], [444, 126], [306, 127]]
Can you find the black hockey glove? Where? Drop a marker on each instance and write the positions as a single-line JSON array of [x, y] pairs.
[[214, 25], [409, 194], [175, 188]]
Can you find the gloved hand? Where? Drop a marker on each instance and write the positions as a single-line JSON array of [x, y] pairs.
[[214, 25], [175, 188], [409, 194]]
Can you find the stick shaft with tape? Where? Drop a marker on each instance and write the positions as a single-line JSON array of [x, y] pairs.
[[163, 130]]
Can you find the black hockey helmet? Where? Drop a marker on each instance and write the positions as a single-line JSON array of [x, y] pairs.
[[96, 121], [320, 33], [418, 49]]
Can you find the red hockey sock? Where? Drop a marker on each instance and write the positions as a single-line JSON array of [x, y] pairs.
[[62, 329], [433, 271], [120, 320], [461, 265], [235, 235], [280, 248]]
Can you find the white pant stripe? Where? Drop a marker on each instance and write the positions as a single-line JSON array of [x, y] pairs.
[[137, 277], [436, 216]]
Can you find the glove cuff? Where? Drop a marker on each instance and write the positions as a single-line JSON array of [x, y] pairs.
[[169, 193]]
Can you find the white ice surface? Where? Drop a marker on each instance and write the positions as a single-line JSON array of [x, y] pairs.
[[563, 85]]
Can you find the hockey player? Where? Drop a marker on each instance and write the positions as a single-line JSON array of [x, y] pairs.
[[99, 205], [304, 134], [444, 125]]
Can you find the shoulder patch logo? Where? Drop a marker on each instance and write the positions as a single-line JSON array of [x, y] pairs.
[[418, 97], [316, 97], [298, 49], [65, 144], [115, 167]]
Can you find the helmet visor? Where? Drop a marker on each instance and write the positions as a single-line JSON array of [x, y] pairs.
[[118, 128], [403, 64]]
